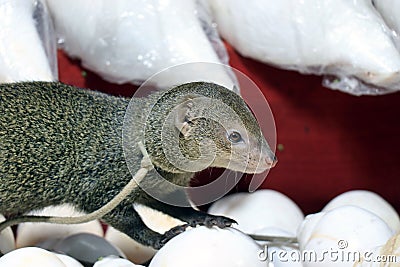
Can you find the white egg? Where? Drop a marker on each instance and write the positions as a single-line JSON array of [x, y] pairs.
[[370, 201], [68, 261], [392, 248], [133, 250], [29, 234], [87, 248], [114, 262], [30, 256], [339, 237], [263, 208], [308, 226], [155, 220], [204, 246], [279, 254], [7, 241], [387, 255], [369, 259], [273, 231]]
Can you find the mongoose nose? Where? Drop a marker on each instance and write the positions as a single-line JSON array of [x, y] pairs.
[[271, 161]]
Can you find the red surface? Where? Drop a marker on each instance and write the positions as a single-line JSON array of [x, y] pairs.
[[333, 142]]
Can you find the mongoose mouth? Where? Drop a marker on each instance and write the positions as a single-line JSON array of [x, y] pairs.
[[262, 165], [253, 166]]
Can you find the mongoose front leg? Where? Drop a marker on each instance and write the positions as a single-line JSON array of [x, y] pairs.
[[128, 221], [195, 217], [191, 216]]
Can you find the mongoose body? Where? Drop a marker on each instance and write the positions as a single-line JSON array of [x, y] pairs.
[[61, 144]]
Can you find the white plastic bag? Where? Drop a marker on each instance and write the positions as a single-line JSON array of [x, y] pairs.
[[390, 11], [28, 45], [131, 40], [347, 40]]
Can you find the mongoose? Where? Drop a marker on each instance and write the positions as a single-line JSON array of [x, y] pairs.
[[62, 144]]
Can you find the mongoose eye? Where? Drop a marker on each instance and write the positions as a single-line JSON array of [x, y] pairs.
[[235, 137]]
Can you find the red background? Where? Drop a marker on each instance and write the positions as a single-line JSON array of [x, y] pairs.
[[333, 142]]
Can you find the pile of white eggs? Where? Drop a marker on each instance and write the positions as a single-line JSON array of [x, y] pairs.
[[357, 228], [41, 244]]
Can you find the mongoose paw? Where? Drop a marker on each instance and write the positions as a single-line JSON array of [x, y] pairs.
[[168, 235], [212, 220], [219, 221]]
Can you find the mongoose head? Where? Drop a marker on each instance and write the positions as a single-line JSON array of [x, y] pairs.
[[198, 125]]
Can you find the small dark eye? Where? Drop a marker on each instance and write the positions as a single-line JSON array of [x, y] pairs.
[[235, 137]]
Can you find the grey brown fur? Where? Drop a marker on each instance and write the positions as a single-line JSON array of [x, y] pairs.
[[60, 144]]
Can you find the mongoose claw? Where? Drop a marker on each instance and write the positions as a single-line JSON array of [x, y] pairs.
[[168, 235], [219, 221], [212, 220]]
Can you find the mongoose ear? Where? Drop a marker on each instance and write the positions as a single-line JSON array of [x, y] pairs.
[[184, 116]]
